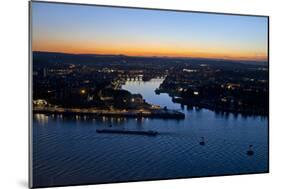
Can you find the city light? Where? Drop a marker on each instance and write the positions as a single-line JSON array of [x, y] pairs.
[[83, 91]]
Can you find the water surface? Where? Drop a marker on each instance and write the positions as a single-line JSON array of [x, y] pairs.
[[69, 151]]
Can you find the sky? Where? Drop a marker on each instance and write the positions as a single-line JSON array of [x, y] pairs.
[[84, 29]]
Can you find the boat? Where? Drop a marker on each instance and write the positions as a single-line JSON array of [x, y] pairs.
[[250, 152], [118, 131]]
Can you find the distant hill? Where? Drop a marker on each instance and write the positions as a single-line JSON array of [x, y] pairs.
[[54, 58]]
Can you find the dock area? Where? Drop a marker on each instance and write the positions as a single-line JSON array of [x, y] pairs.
[[150, 113]]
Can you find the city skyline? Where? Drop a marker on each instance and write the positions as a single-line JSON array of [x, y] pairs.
[[139, 32]]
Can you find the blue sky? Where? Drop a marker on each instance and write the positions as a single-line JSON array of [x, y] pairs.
[[107, 30]]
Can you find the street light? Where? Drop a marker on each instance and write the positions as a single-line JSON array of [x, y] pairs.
[[83, 91]]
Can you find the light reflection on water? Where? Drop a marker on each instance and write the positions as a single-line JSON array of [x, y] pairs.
[[41, 118], [69, 151]]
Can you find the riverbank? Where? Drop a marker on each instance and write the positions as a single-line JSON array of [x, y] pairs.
[[218, 108], [147, 113]]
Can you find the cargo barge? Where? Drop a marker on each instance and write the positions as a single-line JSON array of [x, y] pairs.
[[115, 131]]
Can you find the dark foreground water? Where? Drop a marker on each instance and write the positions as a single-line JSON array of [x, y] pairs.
[[69, 151]]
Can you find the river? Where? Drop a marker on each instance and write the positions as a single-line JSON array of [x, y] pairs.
[[69, 151]]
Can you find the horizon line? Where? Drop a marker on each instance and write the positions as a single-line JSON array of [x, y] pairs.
[[156, 56]]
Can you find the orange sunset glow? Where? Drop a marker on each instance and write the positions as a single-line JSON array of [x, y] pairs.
[[136, 33]]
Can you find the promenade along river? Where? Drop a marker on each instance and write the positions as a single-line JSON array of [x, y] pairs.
[[69, 151]]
